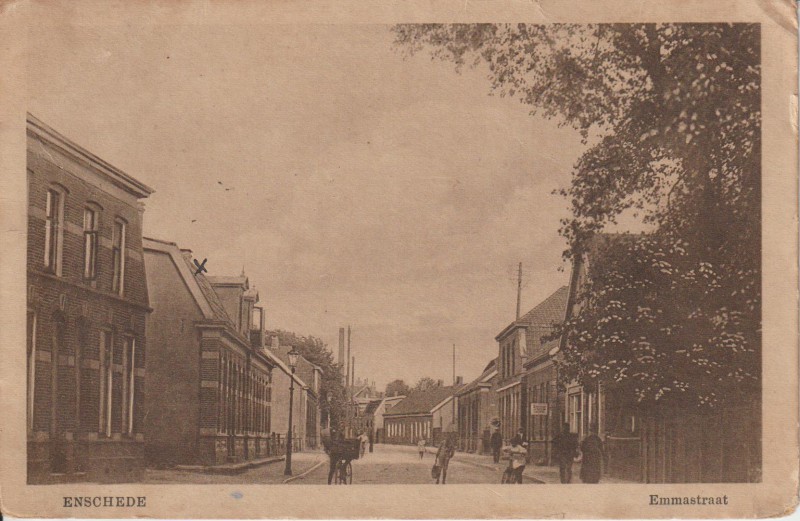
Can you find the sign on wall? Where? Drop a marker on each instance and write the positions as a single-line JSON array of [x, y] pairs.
[[538, 409]]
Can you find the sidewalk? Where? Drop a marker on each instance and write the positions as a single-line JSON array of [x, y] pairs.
[[230, 468], [269, 472], [544, 475]]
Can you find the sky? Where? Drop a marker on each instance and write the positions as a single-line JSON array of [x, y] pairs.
[[392, 195]]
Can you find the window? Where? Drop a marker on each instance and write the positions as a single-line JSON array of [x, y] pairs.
[[128, 384], [575, 412], [118, 254], [31, 365], [106, 377], [54, 213], [90, 226]]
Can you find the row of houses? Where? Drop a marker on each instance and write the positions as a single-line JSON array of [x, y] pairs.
[[134, 356], [520, 388]]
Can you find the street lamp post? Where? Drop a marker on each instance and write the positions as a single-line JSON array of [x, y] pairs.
[[292, 365]]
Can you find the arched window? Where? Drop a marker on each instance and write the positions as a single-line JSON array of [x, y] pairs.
[[54, 228], [91, 227], [118, 256]]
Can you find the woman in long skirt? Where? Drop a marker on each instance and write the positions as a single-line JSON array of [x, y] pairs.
[[593, 456]]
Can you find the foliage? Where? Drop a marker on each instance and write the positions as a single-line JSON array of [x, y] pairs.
[[670, 115], [397, 388], [425, 384], [332, 394]]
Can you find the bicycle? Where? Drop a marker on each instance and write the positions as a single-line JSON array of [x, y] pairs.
[[344, 472]]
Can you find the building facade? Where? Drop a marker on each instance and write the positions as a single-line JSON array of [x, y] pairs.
[[526, 377], [209, 387], [422, 415], [306, 428], [478, 411], [87, 304]]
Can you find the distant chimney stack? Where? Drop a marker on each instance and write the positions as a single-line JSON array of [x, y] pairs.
[[459, 380], [440, 383], [276, 343]]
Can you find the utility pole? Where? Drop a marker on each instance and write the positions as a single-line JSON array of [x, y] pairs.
[[349, 369], [519, 288], [455, 426]]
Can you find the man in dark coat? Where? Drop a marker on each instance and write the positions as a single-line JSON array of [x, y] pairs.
[[496, 442], [593, 456], [565, 448], [331, 445]]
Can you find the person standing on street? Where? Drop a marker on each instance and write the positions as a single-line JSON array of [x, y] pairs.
[[496, 442], [443, 455], [565, 449], [517, 453], [593, 456], [362, 438], [332, 446], [421, 447]]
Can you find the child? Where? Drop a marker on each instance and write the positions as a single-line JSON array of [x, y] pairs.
[[421, 447]]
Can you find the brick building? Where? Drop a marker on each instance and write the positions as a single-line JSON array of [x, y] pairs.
[[477, 408], [87, 303], [544, 408], [519, 346], [421, 414], [209, 388], [306, 430]]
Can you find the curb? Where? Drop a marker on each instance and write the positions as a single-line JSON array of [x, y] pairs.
[[307, 472], [237, 468]]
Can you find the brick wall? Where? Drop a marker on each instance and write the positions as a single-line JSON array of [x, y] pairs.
[[70, 312]]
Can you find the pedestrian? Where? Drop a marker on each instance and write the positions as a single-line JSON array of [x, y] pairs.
[[421, 447], [565, 449], [593, 456], [443, 455], [363, 440], [496, 443], [332, 446], [371, 441], [517, 452]]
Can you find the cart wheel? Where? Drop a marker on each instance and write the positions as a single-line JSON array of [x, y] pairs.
[[348, 476]]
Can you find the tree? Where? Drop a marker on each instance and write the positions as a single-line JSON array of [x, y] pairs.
[[397, 388], [332, 396], [425, 384], [670, 114]]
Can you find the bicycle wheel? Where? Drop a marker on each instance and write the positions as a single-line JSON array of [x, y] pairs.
[[348, 475], [508, 477], [340, 474]]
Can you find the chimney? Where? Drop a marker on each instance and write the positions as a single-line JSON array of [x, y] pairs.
[[440, 383], [353, 373], [341, 360], [276, 343], [347, 360], [459, 380]]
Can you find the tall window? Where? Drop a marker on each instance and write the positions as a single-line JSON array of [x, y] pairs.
[[575, 412], [31, 365], [90, 226], [128, 384], [118, 254], [106, 379], [54, 212]]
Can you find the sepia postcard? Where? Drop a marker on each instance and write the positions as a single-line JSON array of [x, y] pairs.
[[341, 259]]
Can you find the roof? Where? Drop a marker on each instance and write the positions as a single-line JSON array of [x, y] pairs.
[[421, 402], [372, 406], [208, 291], [548, 312], [488, 373], [102, 167], [229, 280]]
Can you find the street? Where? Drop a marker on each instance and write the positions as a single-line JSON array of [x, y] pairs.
[[388, 464], [400, 464]]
